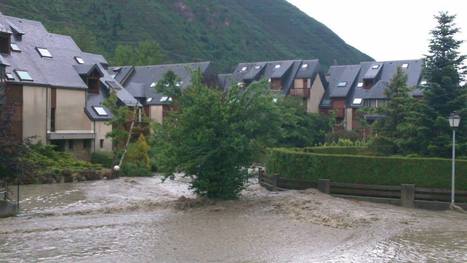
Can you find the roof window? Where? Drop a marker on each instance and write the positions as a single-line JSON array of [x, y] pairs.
[[257, 67], [244, 69], [375, 67], [23, 75], [277, 66], [405, 65], [164, 99], [79, 60], [9, 76], [100, 111], [357, 101], [342, 84], [149, 99], [44, 52], [153, 85], [360, 85], [15, 47], [305, 66]]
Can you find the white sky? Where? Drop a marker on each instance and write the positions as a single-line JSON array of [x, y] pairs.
[[385, 29]]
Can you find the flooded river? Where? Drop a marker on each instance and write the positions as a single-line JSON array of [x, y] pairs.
[[144, 220]]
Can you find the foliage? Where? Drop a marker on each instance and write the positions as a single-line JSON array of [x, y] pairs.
[[342, 168], [138, 155], [299, 128], [223, 31], [345, 143], [120, 118], [145, 53], [135, 170], [213, 135], [103, 158], [443, 93], [340, 134]]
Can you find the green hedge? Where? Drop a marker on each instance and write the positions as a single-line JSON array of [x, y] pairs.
[[103, 158], [423, 172], [351, 150]]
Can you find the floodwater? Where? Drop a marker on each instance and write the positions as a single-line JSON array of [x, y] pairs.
[[144, 220]]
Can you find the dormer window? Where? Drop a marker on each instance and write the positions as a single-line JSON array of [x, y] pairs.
[[304, 66], [23, 75], [44, 52], [244, 69], [79, 60], [357, 101], [360, 85], [405, 65], [148, 99], [5, 40], [342, 84], [375, 67], [278, 66], [100, 111], [9, 76], [15, 47]]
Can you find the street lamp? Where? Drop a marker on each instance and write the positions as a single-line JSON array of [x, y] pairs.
[[454, 121]]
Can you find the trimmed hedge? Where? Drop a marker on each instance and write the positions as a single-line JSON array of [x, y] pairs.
[[103, 158], [351, 150], [359, 169]]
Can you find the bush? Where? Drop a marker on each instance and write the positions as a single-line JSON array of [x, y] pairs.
[[349, 150], [105, 159], [423, 172], [135, 170]]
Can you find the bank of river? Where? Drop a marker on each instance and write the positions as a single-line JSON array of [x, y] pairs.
[[143, 220]]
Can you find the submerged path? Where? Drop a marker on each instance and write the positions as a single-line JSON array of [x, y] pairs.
[[143, 220]]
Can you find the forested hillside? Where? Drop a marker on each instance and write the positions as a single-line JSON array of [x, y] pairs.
[[223, 31]]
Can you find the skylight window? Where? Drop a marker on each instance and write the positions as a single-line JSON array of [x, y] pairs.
[[10, 76], [305, 66], [149, 99], [405, 65], [179, 83], [360, 85], [15, 47], [244, 69], [257, 67], [100, 111], [23, 75], [423, 82], [375, 67], [153, 85], [357, 101], [44, 52], [164, 99], [79, 60], [342, 84], [277, 66]]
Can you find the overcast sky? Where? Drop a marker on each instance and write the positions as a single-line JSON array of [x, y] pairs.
[[385, 30]]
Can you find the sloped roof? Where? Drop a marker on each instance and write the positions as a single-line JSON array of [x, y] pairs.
[[138, 81]]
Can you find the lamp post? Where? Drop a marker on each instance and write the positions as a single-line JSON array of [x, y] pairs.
[[454, 121]]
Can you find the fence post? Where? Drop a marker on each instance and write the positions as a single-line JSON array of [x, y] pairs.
[[408, 195], [324, 186], [275, 179]]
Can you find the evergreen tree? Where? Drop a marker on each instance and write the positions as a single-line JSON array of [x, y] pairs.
[[443, 94], [145, 53]]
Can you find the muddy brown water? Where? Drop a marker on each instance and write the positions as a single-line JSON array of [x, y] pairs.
[[144, 220]]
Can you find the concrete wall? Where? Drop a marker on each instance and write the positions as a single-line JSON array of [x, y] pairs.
[[349, 119], [101, 130], [35, 113], [316, 95], [70, 113], [156, 113]]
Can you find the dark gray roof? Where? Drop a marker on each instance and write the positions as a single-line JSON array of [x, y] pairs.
[[225, 80], [287, 71], [342, 74], [138, 81]]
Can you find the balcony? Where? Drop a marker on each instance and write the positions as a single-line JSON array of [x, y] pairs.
[[304, 93]]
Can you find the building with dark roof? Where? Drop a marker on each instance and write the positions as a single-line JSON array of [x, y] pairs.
[[56, 90], [141, 82], [351, 87], [299, 78]]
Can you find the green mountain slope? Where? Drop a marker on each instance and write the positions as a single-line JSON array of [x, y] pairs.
[[223, 31]]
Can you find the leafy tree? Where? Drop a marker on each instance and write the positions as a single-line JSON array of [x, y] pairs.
[[394, 133], [120, 117], [138, 153], [213, 135], [146, 53], [443, 93]]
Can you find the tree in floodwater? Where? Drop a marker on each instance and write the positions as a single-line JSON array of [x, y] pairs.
[[211, 136]]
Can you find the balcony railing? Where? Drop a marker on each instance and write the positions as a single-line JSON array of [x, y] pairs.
[[304, 93]]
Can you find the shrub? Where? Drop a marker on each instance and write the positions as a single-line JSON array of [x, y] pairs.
[[135, 170], [105, 159], [137, 162], [350, 150], [423, 172]]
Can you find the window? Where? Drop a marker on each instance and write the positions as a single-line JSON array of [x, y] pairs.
[[274, 100], [44, 52], [179, 83], [100, 111], [360, 85], [52, 119], [423, 82], [10, 76], [101, 143], [87, 144], [79, 60], [342, 84], [304, 66], [357, 101], [149, 99], [375, 67], [15, 47], [257, 67], [277, 66], [71, 145], [405, 65], [164, 99], [244, 69], [23, 75], [153, 85], [241, 84]]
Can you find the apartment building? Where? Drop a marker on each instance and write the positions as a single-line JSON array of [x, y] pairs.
[[55, 90], [353, 87], [298, 78], [141, 82]]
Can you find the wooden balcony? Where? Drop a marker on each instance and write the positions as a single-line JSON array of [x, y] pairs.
[[304, 93]]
